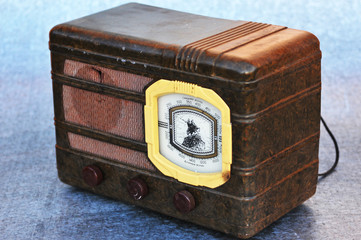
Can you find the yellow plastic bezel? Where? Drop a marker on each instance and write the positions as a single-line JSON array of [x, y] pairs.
[[168, 168]]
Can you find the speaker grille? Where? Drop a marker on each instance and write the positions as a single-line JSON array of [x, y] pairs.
[[106, 76], [105, 113], [111, 151], [100, 112]]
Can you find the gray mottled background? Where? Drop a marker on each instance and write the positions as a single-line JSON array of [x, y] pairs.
[[34, 204]]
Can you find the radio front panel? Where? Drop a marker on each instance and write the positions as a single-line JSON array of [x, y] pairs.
[[219, 129]]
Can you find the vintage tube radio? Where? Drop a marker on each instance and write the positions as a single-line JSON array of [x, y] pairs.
[[211, 121]]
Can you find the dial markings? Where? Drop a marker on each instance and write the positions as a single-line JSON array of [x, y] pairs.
[[162, 124], [190, 132]]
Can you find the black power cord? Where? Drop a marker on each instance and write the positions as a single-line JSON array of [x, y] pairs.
[[325, 174]]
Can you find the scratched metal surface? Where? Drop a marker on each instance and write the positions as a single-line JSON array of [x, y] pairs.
[[34, 204]]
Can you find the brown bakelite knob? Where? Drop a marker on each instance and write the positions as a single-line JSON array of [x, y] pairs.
[[184, 201], [137, 188], [92, 175]]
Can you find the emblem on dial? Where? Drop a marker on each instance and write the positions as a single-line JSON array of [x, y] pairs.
[[196, 136], [188, 133]]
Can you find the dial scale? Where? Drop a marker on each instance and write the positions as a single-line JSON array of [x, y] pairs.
[[188, 132]]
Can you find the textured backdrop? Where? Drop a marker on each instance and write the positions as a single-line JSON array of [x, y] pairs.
[[34, 204]]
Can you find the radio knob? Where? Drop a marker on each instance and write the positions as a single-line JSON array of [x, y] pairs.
[[137, 188], [184, 201], [92, 175]]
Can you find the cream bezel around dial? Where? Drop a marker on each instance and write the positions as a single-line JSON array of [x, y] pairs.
[[209, 178]]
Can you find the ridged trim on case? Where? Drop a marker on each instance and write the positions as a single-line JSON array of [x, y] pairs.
[[188, 55]]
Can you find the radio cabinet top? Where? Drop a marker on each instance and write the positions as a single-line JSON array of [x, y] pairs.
[[231, 51]]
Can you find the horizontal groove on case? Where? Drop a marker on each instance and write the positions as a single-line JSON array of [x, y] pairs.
[[101, 136], [244, 171], [111, 151], [249, 118], [98, 88]]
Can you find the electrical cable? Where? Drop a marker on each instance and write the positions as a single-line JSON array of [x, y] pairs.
[[325, 174]]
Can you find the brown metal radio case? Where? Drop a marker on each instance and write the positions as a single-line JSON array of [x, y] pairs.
[[268, 75]]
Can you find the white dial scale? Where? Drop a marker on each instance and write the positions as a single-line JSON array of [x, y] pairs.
[[190, 132]]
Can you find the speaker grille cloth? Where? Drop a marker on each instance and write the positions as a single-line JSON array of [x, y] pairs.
[[105, 76], [111, 151], [109, 114], [101, 112]]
